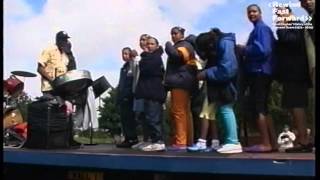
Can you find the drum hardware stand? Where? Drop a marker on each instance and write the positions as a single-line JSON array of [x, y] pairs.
[[8, 132], [91, 133], [99, 86], [91, 128], [6, 102]]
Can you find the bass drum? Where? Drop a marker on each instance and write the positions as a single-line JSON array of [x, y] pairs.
[[12, 117]]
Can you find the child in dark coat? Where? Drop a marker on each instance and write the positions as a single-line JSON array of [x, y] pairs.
[[125, 100], [152, 91]]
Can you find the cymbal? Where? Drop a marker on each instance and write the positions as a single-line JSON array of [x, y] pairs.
[[23, 73]]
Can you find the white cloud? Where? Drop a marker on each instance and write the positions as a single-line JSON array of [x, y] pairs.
[[99, 29], [16, 9], [185, 13]]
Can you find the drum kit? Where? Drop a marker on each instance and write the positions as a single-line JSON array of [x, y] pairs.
[[14, 127], [67, 86]]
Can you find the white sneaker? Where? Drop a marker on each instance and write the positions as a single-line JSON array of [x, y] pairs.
[[215, 144], [144, 145], [201, 145], [230, 148], [140, 145], [154, 147], [137, 146]]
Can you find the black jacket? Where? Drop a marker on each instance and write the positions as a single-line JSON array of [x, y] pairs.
[[179, 74], [124, 89], [150, 84], [292, 62]]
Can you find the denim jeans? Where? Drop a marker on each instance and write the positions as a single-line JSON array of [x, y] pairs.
[[225, 115], [138, 108], [138, 105], [140, 118], [153, 115]]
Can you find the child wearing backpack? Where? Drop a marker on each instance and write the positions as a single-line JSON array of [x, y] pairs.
[[221, 90]]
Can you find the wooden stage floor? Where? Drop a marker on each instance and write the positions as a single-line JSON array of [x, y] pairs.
[[107, 157]]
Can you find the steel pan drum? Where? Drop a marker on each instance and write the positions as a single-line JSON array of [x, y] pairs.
[[11, 117], [13, 86], [71, 83], [100, 86]]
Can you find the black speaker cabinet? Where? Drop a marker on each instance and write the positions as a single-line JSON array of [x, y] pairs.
[[48, 126]]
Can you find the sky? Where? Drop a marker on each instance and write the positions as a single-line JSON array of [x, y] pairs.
[[99, 29]]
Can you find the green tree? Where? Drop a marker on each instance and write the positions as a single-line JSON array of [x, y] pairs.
[[109, 114]]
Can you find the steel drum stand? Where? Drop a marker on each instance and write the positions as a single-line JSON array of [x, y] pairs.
[[91, 134], [99, 86], [90, 122]]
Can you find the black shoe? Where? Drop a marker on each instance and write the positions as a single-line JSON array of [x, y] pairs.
[[127, 143], [75, 145], [300, 148]]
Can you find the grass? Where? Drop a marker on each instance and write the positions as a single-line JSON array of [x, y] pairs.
[[97, 138], [86, 140]]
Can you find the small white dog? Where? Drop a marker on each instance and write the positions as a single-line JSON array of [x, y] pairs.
[[286, 139]]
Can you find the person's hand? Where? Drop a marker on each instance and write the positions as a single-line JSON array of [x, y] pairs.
[[201, 75], [168, 47], [69, 107], [168, 44]]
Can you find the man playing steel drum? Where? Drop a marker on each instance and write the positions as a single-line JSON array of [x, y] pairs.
[[55, 61]]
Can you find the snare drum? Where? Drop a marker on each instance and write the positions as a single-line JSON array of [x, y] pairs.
[[13, 86]]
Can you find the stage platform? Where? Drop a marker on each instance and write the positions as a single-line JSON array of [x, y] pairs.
[[108, 157]]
